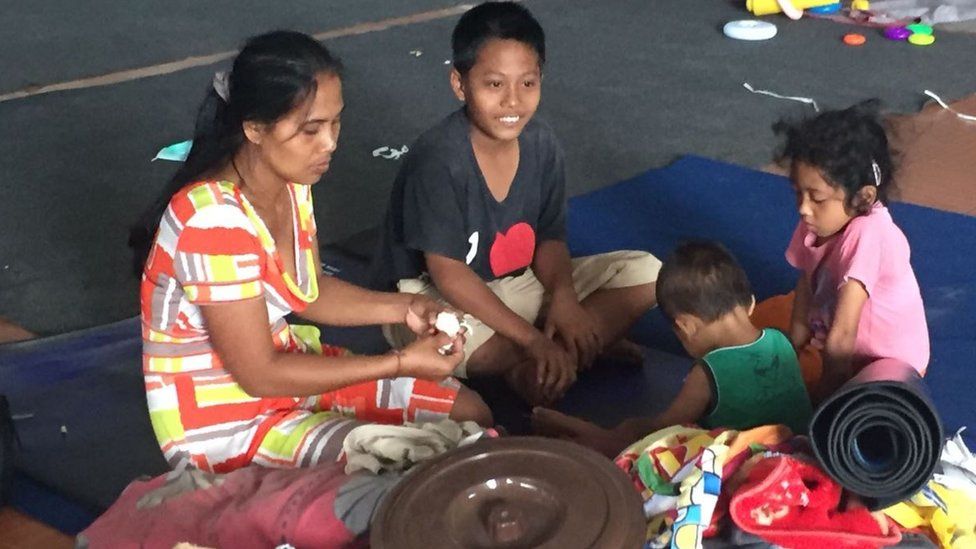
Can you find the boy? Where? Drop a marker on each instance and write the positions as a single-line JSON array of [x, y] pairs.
[[743, 377], [477, 217]]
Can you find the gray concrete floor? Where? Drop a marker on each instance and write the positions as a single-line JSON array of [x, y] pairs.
[[630, 86]]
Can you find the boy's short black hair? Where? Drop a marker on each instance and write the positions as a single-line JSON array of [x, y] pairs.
[[502, 20], [702, 279], [845, 146]]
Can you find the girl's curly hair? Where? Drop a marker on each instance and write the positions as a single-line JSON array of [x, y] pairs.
[[849, 147]]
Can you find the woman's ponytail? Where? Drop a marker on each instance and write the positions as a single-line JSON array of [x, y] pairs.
[[216, 139]]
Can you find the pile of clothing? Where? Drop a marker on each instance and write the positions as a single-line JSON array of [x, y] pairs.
[[763, 485], [328, 505]]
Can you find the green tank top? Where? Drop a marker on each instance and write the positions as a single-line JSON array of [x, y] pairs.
[[758, 384]]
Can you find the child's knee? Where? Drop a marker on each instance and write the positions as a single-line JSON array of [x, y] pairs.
[[634, 268], [469, 406], [646, 297], [642, 267]]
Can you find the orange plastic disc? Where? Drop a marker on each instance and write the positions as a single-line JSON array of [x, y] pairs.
[[854, 39]]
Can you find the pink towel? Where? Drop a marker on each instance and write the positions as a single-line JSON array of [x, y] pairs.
[[251, 507]]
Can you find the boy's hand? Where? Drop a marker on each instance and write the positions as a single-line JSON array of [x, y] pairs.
[[555, 370], [575, 327]]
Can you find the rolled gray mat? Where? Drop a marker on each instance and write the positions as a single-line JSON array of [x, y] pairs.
[[879, 436]]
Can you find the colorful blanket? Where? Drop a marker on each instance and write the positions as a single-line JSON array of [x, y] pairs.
[[679, 472]]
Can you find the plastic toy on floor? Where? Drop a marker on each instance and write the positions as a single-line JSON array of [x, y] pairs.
[[792, 8]]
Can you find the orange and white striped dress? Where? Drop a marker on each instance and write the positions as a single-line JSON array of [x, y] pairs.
[[211, 247]]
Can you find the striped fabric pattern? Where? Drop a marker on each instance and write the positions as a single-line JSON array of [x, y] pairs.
[[212, 247]]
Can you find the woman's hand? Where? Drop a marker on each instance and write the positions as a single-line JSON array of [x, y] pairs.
[[422, 314], [423, 358]]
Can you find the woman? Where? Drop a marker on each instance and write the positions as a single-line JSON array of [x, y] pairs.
[[235, 251]]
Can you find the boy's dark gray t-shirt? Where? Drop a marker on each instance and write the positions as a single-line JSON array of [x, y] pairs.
[[441, 204]]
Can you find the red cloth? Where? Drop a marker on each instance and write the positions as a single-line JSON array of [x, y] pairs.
[[253, 507], [792, 503]]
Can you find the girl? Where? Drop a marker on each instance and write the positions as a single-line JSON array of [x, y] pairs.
[[229, 382], [857, 298]]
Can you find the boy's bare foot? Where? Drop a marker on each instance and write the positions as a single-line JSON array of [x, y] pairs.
[[550, 423], [624, 351]]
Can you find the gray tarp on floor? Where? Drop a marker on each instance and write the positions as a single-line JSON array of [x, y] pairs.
[[630, 85]]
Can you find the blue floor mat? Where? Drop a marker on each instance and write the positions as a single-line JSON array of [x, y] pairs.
[[91, 381], [80, 412], [79, 405], [754, 214]]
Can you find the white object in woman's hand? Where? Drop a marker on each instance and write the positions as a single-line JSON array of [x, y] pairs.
[[449, 324]]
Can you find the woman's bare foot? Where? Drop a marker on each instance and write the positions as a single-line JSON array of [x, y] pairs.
[[10, 332], [550, 423]]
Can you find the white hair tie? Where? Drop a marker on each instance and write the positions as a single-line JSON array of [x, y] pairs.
[[221, 86], [877, 173]]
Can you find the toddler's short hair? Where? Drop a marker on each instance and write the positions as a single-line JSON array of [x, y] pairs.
[[702, 279]]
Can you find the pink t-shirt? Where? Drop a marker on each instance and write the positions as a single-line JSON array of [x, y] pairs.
[[873, 251]]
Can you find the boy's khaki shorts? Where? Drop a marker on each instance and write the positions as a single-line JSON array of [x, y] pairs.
[[524, 294]]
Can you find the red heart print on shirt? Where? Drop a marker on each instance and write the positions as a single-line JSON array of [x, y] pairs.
[[512, 250]]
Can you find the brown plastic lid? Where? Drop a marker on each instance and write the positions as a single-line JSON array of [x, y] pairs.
[[512, 493]]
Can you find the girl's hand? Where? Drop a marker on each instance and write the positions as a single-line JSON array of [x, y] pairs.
[[799, 335], [421, 315], [422, 359]]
